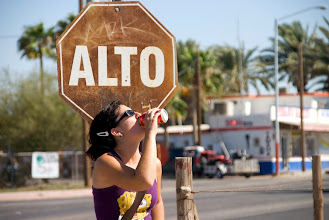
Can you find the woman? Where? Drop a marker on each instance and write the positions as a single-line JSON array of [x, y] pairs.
[[120, 170]]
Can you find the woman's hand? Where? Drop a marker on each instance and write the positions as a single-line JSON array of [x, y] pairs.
[[151, 121]]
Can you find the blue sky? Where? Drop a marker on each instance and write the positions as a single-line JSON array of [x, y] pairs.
[[207, 22]]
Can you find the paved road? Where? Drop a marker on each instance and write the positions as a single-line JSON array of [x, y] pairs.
[[256, 205], [259, 205], [63, 209]]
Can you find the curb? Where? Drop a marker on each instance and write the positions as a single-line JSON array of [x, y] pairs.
[[49, 194]]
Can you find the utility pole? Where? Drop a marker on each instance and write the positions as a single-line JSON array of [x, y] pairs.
[[80, 5], [197, 113], [240, 61], [301, 95], [277, 125]]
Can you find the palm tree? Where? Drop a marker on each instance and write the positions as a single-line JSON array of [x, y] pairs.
[[290, 36], [321, 54], [35, 43], [177, 108], [210, 80], [63, 24], [239, 69], [186, 59]]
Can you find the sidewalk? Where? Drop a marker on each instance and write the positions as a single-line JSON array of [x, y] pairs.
[[49, 194]]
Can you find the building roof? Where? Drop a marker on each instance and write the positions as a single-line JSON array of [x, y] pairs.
[[182, 129], [315, 94]]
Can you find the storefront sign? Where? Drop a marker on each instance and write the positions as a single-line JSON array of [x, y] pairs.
[[292, 114]]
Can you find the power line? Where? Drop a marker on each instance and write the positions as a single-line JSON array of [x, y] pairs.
[[265, 188], [187, 68]]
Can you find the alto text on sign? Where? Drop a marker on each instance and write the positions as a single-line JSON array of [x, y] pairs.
[[81, 56]]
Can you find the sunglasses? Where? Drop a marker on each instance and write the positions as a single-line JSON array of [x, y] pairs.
[[127, 113]]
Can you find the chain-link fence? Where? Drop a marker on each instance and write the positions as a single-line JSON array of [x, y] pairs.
[[15, 168]]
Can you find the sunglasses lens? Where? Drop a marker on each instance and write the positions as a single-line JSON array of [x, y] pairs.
[[127, 113], [130, 112]]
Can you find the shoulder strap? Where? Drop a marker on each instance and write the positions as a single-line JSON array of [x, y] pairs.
[[115, 154], [133, 208]]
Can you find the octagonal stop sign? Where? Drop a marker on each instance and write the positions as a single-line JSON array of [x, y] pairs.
[[116, 51]]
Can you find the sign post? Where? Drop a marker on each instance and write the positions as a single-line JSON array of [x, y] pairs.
[[116, 51]]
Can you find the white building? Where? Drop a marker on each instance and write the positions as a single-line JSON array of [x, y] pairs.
[[247, 123]]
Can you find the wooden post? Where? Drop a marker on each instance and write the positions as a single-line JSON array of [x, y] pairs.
[[186, 209], [317, 188], [85, 147]]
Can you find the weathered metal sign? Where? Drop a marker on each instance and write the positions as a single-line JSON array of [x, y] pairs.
[[116, 51]]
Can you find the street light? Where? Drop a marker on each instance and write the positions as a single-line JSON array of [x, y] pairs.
[[276, 69]]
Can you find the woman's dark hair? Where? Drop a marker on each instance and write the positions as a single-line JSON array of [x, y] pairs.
[[100, 137]]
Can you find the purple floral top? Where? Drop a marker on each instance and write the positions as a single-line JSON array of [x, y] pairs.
[[112, 202]]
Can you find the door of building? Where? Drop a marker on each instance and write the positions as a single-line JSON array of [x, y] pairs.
[[285, 152]]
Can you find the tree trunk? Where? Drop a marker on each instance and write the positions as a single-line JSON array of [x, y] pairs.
[[42, 84], [197, 116], [86, 160]]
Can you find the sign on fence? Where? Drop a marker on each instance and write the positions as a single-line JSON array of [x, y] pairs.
[[45, 165]]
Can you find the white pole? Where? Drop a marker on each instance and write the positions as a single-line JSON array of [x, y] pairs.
[[276, 68]]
